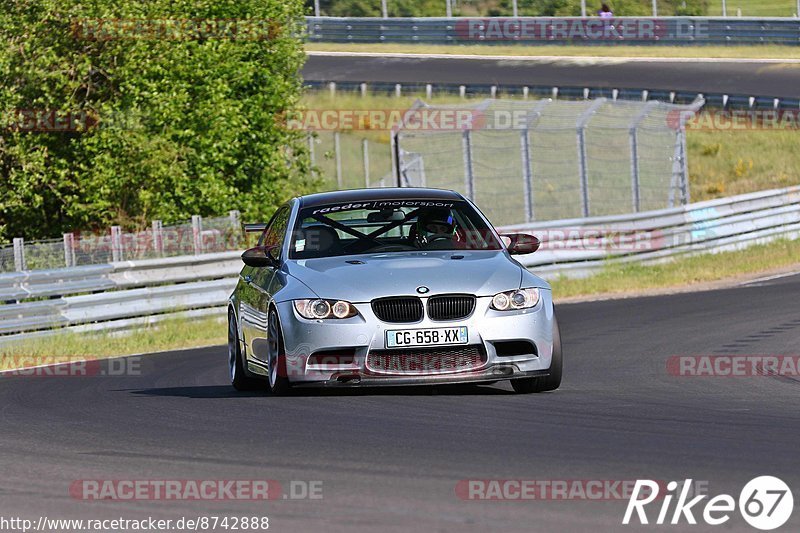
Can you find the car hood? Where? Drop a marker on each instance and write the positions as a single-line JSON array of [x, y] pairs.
[[482, 273]]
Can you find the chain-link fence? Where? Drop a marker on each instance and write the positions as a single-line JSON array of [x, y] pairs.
[[347, 161], [201, 235], [550, 159]]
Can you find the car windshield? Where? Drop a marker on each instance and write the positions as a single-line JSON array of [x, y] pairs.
[[352, 228]]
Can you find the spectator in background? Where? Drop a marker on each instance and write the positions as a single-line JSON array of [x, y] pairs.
[[605, 12]]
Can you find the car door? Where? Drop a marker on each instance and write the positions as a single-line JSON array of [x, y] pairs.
[[260, 290]]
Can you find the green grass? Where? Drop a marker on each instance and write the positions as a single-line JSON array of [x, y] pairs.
[[754, 8], [751, 52], [682, 273], [727, 163], [171, 334]]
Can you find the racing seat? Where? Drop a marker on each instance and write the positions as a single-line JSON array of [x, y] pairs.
[[320, 241]]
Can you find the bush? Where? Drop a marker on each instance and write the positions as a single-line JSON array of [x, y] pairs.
[[166, 128]]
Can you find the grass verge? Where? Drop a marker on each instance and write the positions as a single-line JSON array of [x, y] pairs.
[[618, 279], [754, 8], [173, 334], [726, 52]]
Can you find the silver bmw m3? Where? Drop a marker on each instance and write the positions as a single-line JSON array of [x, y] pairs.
[[382, 287]]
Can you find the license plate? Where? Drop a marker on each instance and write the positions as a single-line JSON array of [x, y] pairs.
[[400, 338]]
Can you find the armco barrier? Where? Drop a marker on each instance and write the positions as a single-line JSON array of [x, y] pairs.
[[712, 100], [542, 30], [129, 294]]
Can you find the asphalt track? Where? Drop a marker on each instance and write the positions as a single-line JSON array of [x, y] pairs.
[[751, 77], [390, 459]]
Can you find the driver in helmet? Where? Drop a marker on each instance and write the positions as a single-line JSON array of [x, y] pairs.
[[435, 225]]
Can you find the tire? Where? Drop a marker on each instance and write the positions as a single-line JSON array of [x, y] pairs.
[[276, 365], [544, 383], [240, 379]]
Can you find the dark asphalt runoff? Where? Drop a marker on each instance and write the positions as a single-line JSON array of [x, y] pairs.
[[755, 78], [390, 460]]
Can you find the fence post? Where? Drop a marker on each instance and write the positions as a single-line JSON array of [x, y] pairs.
[[19, 254], [236, 226], [583, 8], [527, 175], [633, 134], [116, 244], [337, 152], [332, 89], [724, 8], [394, 148], [365, 152], [69, 250], [316, 8], [527, 168], [384, 9], [197, 233], [685, 191], [448, 8], [514, 10], [655, 8], [311, 155], [158, 238], [469, 177], [583, 169]]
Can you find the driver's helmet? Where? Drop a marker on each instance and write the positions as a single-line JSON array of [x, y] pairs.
[[434, 223]]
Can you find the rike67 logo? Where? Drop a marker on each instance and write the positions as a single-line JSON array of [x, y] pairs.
[[765, 503]]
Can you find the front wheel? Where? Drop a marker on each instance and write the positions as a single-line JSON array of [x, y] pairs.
[[544, 383], [239, 378], [278, 379]]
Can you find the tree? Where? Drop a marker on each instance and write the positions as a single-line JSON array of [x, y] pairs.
[[123, 111]]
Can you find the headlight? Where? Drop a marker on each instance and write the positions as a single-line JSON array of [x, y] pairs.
[[319, 309], [513, 300]]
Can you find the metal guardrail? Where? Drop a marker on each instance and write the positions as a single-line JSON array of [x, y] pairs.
[[545, 30], [110, 296], [584, 246], [712, 100], [129, 294]]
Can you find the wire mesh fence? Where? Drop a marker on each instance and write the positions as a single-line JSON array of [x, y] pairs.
[[520, 160], [348, 161], [552, 159], [201, 235]]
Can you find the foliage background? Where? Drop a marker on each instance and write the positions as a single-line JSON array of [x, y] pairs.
[[186, 126]]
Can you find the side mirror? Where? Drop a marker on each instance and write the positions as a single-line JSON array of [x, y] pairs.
[[522, 243], [261, 256]]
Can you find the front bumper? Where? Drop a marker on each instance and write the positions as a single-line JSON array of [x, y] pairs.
[[362, 334]]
